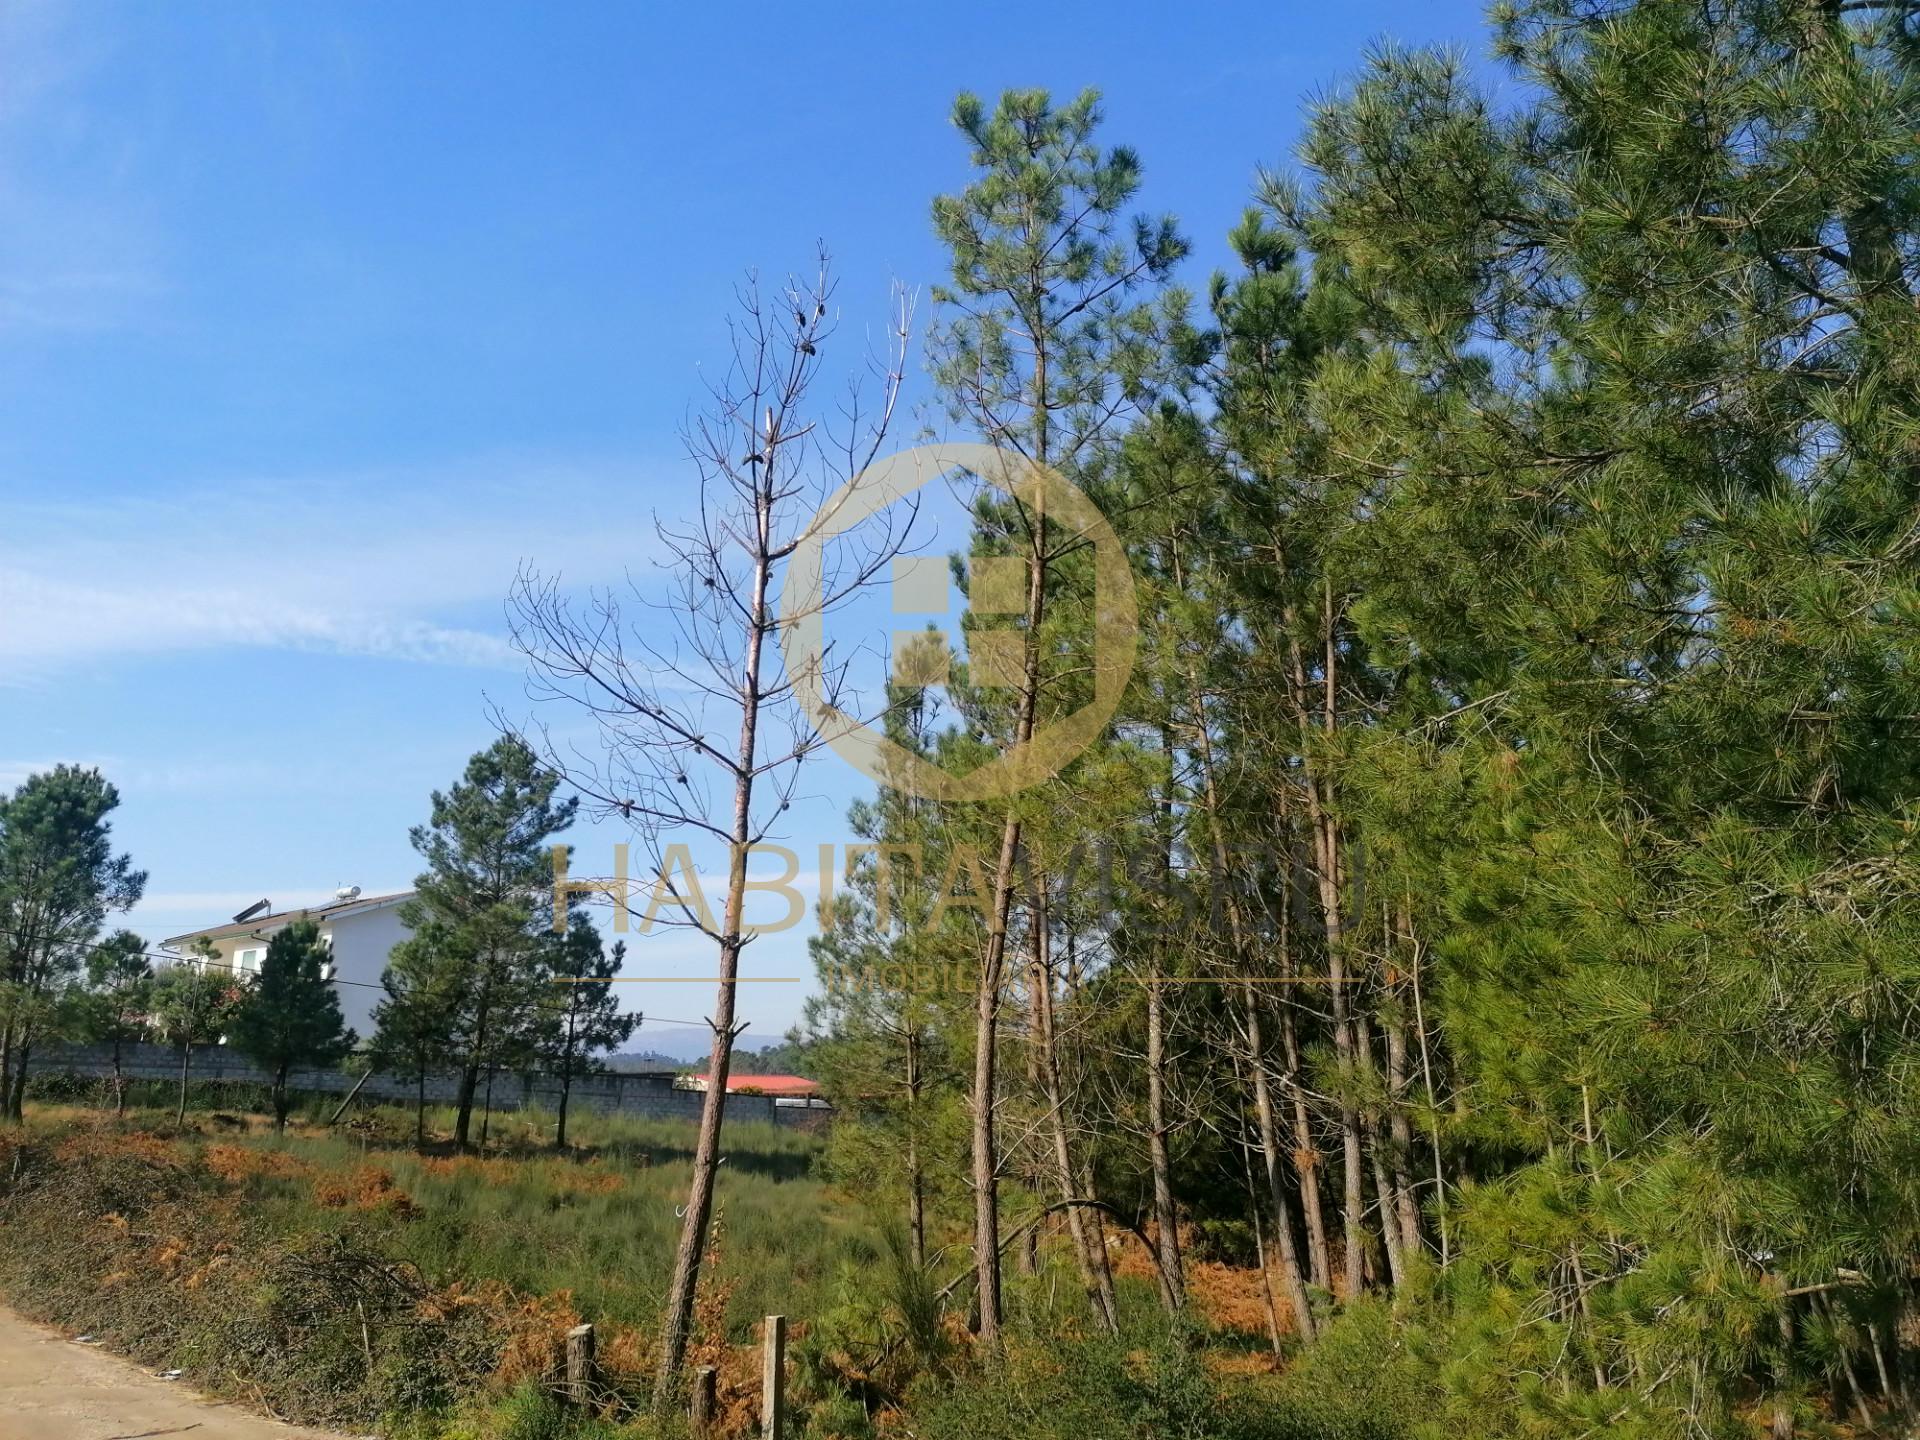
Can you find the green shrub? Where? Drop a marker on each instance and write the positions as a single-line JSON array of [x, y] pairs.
[[1067, 1390], [1357, 1381]]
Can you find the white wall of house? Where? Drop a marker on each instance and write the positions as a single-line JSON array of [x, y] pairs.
[[361, 944], [360, 940]]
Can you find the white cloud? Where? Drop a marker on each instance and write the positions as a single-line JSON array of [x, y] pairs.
[[366, 565]]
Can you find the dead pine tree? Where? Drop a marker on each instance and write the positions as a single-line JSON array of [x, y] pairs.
[[699, 734]]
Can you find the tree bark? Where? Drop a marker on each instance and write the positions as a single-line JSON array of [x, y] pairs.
[[1173, 1285], [1327, 885], [463, 1104], [916, 1182], [1400, 1129], [1270, 1159], [16, 1098], [186, 1063], [1306, 1152], [1053, 1093], [677, 1329], [486, 1110]]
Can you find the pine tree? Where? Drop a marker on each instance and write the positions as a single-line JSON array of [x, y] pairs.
[[59, 880], [1639, 428], [485, 901], [889, 1017], [1044, 352], [415, 1018], [582, 1014], [698, 736], [193, 1001], [118, 1000], [289, 1017]]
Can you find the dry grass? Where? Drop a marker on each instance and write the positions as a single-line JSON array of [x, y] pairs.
[[341, 1279]]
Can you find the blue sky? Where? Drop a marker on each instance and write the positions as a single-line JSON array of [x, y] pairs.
[[316, 320]]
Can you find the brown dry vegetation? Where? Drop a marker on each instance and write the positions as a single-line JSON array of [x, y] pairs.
[[345, 1280]]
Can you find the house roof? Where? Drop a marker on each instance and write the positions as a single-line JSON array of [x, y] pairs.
[[274, 920], [768, 1084]]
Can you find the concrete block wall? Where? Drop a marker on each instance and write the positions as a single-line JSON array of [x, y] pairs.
[[647, 1094]]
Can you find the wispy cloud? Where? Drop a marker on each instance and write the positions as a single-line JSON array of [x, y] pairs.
[[78, 251], [370, 565]]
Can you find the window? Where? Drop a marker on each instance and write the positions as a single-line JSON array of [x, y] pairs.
[[247, 962]]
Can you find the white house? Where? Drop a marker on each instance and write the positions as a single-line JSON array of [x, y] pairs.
[[359, 930]]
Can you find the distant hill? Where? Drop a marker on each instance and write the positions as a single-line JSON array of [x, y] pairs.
[[639, 1062], [687, 1047]]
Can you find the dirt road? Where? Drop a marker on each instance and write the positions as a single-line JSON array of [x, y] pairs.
[[53, 1389]]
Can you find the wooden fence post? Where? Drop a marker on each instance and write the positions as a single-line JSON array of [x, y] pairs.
[[580, 1365], [773, 1379], [705, 1385]]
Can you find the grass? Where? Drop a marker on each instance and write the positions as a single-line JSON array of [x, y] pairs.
[[373, 1282], [598, 1222], [336, 1276]]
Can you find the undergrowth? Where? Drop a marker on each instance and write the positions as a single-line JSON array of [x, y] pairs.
[[343, 1279]]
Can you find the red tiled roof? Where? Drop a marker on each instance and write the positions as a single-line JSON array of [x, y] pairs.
[[768, 1084]]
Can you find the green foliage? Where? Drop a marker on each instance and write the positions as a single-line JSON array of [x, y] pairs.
[[582, 1014], [1070, 1390], [469, 986], [113, 1009], [59, 880], [1359, 1380], [289, 1017], [192, 1004]]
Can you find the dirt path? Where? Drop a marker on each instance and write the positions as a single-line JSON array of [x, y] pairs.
[[53, 1389]]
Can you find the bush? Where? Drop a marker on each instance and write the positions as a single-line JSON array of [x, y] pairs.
[[1064, 1390], [1357, 1381]]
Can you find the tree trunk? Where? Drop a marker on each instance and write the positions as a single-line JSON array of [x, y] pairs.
[[986, 1034], [463, 1104], [986, 1163], [1354, 1201], [486, 1110], [1383, 1193], [566, 1092], [119, 1083], [420, 1106], [678, 1324], [186, 1063], [1400, 1133], [916, 1182], [1091, 1216], [1173, 1285], [280, 1098], [1327, 886], [16, 1098], [706, 1161], [1270, 1159], [1047, 1056], [1306, 1155]]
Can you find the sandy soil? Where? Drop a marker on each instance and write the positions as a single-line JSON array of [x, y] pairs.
[[54, 1389]]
